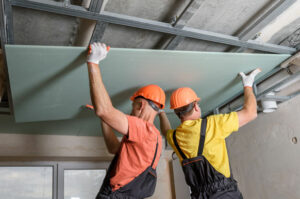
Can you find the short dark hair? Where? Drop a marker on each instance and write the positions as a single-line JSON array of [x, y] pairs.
[[185, 110]]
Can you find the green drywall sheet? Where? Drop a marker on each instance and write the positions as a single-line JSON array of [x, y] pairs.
[[85, 124], [51, 83]]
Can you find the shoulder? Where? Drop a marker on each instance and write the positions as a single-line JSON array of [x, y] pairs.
[[223, 117], [223, 124], [134, 121]]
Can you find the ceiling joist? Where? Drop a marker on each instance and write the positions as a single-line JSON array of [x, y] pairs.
[[108, 17], [262, 19], [182, 20]]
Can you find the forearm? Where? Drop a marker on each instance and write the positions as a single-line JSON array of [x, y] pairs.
[[164, 123], [99, 95], [111, 140], [250, 104], [249, 111]]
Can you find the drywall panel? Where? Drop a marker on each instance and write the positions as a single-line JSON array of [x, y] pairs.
[[51, 83], [87, 124]]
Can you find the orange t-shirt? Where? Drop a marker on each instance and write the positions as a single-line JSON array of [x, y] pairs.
[[136, 152]]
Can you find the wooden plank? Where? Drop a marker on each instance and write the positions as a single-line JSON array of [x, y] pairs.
[[51, 83]]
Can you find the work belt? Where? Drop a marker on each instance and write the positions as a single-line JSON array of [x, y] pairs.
[[140, 187], [204, 180]]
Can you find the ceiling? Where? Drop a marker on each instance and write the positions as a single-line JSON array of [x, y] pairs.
[[229, 17]]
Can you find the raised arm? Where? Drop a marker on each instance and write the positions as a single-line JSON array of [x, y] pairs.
[[100, 98], [111, 140], [164, 123], [249, 111]]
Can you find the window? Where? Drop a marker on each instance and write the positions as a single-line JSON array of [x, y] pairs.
[[26, 182], [51, 180], [81, 184]]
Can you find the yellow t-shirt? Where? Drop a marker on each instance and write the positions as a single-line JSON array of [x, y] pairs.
[[218, 128]]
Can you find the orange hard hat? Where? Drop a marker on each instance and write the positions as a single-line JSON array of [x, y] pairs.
[[151, 92], [182, 97]]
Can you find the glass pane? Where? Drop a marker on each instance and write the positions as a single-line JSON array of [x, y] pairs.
[[26, 182], [82, 184]]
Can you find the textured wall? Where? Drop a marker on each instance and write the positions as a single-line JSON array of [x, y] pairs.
[[263, 157]]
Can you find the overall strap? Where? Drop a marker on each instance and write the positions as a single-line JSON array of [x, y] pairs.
[[202, 136], [177, 146], [155, 152]]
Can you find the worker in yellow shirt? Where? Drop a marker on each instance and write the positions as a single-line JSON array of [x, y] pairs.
[[200, 143]]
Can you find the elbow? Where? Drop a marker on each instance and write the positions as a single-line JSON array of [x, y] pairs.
[[113, 151], [252, 115], [249, 115], [101, 113], [255, 115]]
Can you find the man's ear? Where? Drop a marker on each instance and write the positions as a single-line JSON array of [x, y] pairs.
[[143, 104], [196, 107]]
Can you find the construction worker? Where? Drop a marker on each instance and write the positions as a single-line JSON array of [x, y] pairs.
[[131, 173], [200, 143]]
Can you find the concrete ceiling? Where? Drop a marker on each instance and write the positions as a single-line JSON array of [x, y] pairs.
[[226, 17]]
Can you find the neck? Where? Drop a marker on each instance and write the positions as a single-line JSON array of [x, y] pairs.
[[148, 116], [189, 118]]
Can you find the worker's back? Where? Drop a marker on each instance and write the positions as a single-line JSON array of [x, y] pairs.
[[203, 155], [218, 128]]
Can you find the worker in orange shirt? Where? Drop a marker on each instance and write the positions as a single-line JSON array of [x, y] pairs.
[[132, 172], [200, 143]]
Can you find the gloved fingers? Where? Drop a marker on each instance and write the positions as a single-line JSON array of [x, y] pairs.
[[255, 72], [98, 44], [242, 75], [93, 46], [103, 46]]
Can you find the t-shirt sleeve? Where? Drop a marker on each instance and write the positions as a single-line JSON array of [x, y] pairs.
[[136, 129], [224, 124], [169, 136]]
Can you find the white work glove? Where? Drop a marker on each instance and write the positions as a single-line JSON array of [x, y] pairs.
[[249, 79], [160, 111], [97, 52]]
